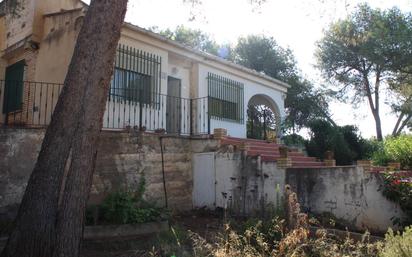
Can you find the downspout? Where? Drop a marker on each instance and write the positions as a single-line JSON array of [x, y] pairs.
[[163, 171]]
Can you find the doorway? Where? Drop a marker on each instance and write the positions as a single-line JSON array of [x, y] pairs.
[[173, 106]]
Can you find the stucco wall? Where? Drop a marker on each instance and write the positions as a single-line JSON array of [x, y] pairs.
[[122, 159], [251, 88], [18, 27], [348, 193], [57, 45], [242, 185]]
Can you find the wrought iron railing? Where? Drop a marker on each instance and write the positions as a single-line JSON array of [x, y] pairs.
[[28, 103], [31, 104]]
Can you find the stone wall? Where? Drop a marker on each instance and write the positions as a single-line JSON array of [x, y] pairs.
[[348, 193], [123, 158]]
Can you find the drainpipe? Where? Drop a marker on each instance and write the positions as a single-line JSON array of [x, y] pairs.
[[163, 170]]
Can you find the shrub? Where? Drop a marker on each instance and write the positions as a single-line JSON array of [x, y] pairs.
[[126, 207], [123, 208], [393, 149], [397, 244], [345, 142], [293, 140], [397, 187], [399, 149]]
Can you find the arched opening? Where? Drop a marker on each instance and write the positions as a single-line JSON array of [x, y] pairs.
[[263, 118]]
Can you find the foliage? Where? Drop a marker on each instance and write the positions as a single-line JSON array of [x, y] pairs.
[[303, 102], [365, 50], [263, 54], [293, 140], [261, 120], [397, 244], [399, 149], [379, 156], [345, 142], [397, 187], [402, 90], [256, 238], [193, 38], [394, 149], [127, 207]]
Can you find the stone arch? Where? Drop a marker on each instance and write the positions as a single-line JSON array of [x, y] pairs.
[[268, 102]]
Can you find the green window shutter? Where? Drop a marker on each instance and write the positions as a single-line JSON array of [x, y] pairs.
[[13, 93]]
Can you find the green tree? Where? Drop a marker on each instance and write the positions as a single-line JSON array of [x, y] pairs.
[[303, 102], [362, 52], [402, 106], [346, 143], [192, 38]]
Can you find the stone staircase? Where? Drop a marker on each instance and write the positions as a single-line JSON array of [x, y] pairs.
[[270, 151]]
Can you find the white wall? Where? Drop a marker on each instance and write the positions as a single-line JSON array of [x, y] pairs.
[[251, 88], [241, 187], [349, 193]]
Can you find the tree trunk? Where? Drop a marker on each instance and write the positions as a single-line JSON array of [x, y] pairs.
[[70, 219], [34, 234], [378, 125]]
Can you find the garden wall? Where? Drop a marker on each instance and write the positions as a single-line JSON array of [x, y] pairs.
[[122, 159], [348, 193], [241, 184]]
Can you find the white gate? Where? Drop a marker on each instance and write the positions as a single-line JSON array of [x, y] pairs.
[[204, 180]]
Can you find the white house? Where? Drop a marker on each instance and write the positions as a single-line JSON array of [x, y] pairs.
[[157, 83]]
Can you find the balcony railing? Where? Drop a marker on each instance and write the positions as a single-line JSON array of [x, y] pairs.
[[31, 104]]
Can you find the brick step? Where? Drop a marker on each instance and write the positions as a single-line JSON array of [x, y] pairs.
[[262, 152], [307, 164], [303, 158], [290, 154], [299, 160], [250, 142], [269, 158], [263, 147]]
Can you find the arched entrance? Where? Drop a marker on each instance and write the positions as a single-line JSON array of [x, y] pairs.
[[263, 118]]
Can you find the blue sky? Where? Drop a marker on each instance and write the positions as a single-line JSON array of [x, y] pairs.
[[296, 24]]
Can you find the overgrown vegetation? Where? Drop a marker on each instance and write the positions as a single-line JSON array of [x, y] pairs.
[[397, 187], [264, 239], [394, 149], [345, 142], [126, 207]]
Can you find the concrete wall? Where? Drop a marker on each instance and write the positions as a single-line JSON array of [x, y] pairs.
[[349, 193], [242, 185], [122, 159]]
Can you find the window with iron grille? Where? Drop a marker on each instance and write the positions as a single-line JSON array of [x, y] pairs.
[[225, 98], [136, 76]]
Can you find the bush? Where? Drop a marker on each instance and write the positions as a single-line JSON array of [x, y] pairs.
[[397, 245], [397, 187], [293, 140], [399, 149], [126, 207], [346, 143], [393, 149]]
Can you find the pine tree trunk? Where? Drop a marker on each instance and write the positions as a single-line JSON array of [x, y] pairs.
[[378, 125], [70, 219], [90, 68]]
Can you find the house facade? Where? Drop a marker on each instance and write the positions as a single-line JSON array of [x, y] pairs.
[[158, 84]]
